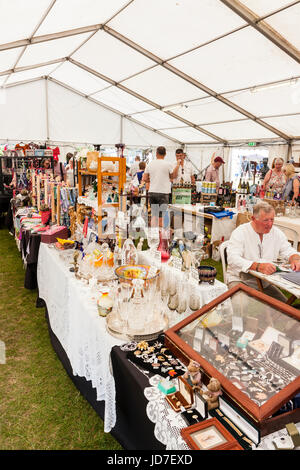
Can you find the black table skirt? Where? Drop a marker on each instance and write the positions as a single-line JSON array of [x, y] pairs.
[[133, 429]]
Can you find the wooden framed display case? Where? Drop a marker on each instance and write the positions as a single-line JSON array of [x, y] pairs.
[[250, 343]]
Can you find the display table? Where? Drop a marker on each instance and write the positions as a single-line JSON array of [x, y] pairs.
[[74, 320], [276, 280], [193, 219]]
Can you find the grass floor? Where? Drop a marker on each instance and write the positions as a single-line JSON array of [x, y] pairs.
[[40, 408]]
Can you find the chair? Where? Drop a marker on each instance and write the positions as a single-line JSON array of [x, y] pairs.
[[290, 233], [223, 254]]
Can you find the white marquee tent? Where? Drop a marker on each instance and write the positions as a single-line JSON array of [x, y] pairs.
[[150, 72]]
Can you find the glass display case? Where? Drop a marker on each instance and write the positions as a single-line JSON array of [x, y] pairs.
[[250, 342]]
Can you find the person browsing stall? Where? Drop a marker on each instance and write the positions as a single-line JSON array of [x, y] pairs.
[[159, 174], [185, 172], [291, 188], [275, 178], [212, 172], [256, 246]]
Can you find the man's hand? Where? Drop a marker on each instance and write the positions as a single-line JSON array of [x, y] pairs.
[[295, 263], [266, 268]]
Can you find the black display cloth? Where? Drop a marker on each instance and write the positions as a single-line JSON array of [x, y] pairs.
[[30, 244], [133, 429]]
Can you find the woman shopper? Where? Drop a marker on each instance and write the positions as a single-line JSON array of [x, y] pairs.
[[291, 188], [275, 178]]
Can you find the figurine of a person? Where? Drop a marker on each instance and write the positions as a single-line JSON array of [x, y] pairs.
[[193, 375], [211, 395]]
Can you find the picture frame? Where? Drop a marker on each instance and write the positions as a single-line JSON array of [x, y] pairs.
[[208, 435]]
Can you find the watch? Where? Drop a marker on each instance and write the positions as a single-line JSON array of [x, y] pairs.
[[257, 266]]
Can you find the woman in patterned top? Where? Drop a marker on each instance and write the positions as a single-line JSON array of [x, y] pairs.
[[275, 179]]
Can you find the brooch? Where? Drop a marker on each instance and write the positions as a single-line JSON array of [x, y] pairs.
[[143, 345]]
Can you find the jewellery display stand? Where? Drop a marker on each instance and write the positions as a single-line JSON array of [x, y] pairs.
[[224, 336]]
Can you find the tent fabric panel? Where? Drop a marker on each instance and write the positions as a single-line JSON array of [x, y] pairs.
[[188, 24], [19, 18], [287, 24], [8, 58], [206, 110], [163, 87], [288, 124], [73, 118], [269, 101], [78, 78], [111, 57], [264, 7], [158, 120], [121, 101], [29, 74], [64, 16], [133, 134], [50, 50], [240, 130], [188, 134], [23, 112], [242, 59]]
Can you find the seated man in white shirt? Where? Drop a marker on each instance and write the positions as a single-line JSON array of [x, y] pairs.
[[256, 246]]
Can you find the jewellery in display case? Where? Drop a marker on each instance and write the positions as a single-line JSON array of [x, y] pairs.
[[252, 362]]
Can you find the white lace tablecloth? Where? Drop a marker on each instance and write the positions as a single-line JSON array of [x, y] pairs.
[[75, 321], [168, 423]]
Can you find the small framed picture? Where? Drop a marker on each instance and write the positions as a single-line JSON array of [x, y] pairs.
[[208, 435]]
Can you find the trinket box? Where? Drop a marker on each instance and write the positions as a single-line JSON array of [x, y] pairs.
[[183, 397], [198, 412], [257, 378]]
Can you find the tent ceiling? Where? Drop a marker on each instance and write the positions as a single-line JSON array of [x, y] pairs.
[[172, 65]]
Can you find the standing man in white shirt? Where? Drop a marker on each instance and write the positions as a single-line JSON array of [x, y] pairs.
[[185, 172], [159, 174], [256, 246]]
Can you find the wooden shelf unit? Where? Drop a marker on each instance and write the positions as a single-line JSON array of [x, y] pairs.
[[121, 174]]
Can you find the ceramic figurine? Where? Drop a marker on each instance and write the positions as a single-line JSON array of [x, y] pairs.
[[212, 394], [193, 375]]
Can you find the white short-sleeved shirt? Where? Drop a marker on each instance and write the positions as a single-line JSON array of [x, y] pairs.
[[245, 248], [186, 172], [159, 172]]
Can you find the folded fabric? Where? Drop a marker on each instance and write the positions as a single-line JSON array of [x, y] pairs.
[[222, 214]]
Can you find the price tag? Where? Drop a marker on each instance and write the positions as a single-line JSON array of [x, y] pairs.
[[223, 339], [237, 323]]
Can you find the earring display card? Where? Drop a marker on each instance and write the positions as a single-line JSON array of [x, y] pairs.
[[155, 357]]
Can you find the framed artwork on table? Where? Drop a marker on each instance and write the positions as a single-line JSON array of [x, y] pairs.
[[208, 435]]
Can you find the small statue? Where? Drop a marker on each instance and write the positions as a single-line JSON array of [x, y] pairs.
[[193, 375], [212, 394]]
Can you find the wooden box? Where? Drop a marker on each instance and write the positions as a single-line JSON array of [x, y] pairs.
[[252, 380], [183, 397]]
